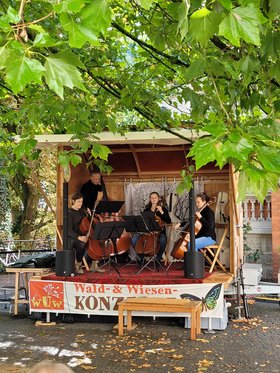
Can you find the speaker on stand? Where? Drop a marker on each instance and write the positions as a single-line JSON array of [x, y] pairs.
[[193, 260], [194, 264], [65, 263]]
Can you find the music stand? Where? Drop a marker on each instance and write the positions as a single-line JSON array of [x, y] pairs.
[[104, 232], [143, 224], [109, 207]]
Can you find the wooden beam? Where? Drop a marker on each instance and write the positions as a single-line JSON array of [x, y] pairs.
[[148, 149], [136, 160]]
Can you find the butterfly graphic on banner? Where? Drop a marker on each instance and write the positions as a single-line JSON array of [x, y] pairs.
[[210, 300]]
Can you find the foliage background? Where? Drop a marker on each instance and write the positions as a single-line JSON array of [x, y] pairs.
[[83, 66]]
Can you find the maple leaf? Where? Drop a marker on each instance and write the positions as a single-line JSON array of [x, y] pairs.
[[87, 367]]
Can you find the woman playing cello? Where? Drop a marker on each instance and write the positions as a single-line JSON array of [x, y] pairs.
[[77, 239], [161, 213], [205, 220]]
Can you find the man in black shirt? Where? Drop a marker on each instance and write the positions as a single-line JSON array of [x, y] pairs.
[[92, 189]]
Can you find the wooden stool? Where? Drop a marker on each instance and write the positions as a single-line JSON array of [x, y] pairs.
[[161, 305]]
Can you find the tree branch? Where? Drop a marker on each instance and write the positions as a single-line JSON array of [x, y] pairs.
[[221, 102], [138, 108], [173, 59]]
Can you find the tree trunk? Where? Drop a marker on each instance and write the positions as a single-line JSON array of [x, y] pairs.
[[30, 206]]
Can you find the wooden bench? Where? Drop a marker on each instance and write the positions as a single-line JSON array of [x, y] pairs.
[[160, 305]]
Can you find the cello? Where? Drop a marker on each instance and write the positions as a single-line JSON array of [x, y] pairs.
[[181, 246], [95, 249], [120, 245], [148, 243]]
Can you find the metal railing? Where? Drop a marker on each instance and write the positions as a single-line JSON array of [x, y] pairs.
[[11, 250]]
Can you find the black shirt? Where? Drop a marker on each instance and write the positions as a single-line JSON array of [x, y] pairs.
[[89, 192], [74, 220], [208, 224], [164, 217]]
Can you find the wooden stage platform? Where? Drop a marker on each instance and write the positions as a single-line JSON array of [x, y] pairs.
[[99, 293], [129, 274]]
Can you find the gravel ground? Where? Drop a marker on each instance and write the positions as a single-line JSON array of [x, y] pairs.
[[156, 346]]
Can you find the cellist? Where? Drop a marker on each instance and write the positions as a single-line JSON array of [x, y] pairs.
[[205, 218], [155, 205], [77, 241]]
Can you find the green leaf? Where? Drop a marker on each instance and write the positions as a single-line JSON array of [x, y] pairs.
[[61, 70], [271, 45], [146, 4], [38, 28], [248, 64], [11, 16], [183, 12], [100, 151], [73, 6], [237, 150], [24, 148], [196, 70], [274, 71], [22, 70], [243, 183], [206, 150], [203, 25], [258, 181], [242, 23], [275, 6], [216, 129], [93, 19], [79, 32], [75, 159], [226, 4], [44, 40], [4, 54], [186, 183], [269, 157]]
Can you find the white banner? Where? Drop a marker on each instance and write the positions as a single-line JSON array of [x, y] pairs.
[[102, 299]]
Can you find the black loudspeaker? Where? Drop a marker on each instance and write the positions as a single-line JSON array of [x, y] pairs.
[[194, 264], [65, 263]]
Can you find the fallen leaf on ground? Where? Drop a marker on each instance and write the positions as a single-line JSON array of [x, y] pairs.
[[205, 363], [176, 356], [87, 367]]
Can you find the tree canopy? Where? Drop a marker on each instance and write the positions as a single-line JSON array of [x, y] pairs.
[[85, 66]]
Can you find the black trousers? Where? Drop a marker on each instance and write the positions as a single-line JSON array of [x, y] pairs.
[[80, 248]]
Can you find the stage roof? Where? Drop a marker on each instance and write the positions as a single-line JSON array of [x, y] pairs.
[[185, 136]]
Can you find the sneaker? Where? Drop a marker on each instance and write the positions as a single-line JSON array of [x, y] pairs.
[[78, 268], [94, 267], [100, 270]]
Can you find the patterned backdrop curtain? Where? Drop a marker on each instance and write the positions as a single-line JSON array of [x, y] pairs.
[[137, 196]]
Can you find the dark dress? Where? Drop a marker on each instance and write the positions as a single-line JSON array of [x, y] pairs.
[[74, 220], [162, 235]]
